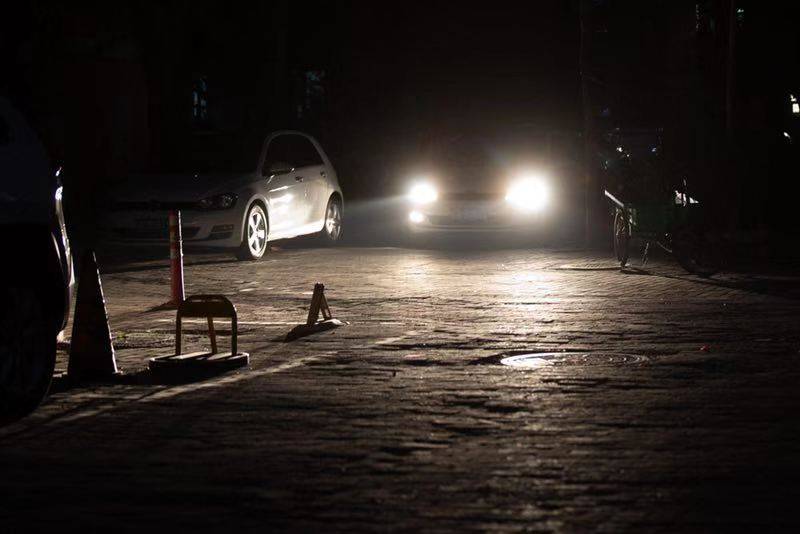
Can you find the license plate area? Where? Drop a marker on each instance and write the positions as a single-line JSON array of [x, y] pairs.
[[473, 214]]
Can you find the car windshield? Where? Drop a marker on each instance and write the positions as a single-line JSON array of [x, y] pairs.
[[483, 151], [211, 154]]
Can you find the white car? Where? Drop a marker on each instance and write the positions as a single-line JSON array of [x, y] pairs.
[[234, 194]]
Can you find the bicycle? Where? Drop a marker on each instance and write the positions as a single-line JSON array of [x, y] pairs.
[[675, 226]]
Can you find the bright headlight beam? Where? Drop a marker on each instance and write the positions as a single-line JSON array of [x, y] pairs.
[[416, 217], [528, 194], [423, 193]]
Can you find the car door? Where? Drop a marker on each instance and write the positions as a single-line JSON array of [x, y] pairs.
[[285, 187], [314, 173]]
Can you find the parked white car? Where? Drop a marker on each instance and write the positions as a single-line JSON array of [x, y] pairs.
[[234, 194]]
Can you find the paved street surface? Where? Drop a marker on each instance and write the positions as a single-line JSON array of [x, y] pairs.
[[672, 406]]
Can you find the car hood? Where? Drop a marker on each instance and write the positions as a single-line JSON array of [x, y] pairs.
[[473, 180], [178, 187], [490, 179]]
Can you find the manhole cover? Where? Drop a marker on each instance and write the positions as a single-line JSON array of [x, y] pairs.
[[536, 360]]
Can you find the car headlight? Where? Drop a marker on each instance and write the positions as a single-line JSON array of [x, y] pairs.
[[416, 217], [423, 193], [528, 194], [217, 202]]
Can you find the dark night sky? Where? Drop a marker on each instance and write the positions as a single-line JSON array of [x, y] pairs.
[[400, 66], [405, 70], [508, 60]]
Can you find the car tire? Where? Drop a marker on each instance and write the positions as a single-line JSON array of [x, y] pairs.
[[332, 229], [27, 353], [695, 253], [255, 242]]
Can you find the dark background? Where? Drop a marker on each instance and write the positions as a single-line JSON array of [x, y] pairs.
[[113, 86]]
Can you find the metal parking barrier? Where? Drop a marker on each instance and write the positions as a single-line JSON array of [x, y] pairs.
[[180, 367], [319, 305]]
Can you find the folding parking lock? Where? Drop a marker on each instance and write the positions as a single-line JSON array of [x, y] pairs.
[[319, 305], [180, 367]]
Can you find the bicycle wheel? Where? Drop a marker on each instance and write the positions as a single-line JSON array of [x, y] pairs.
[[694, 253]]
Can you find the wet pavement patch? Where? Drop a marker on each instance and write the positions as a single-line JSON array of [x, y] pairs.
[[538, 360], [529, 361], [588, 266]]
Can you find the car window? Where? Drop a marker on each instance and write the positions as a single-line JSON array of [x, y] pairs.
[[291, 151], [307, 154], [280, 153], [25, 172]]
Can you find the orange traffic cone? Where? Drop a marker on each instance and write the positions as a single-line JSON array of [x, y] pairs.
[[91, 355]]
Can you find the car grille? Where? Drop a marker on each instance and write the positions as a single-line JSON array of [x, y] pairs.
[[448, 220]]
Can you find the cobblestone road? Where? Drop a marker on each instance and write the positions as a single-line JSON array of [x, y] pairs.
[[673, 405]]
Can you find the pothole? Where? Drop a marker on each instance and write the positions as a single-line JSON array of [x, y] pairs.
[[538, 360]]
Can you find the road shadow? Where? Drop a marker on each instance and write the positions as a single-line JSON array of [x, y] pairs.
[[62, 382], [163, 265], [786, 288], [637, 271]]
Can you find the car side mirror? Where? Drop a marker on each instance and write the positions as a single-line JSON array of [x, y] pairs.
[[278, 168]]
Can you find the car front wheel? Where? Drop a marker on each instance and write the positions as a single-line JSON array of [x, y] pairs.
[[254, 239], [27, 353], [332, 231]]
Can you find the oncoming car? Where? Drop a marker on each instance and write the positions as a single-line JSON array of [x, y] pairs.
[[507, 182], [234, 193]]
